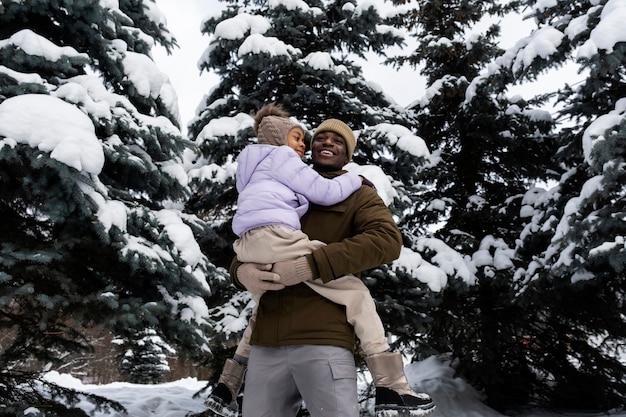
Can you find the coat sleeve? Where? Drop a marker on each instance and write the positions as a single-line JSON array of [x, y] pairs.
[[232, 270], [288, 168], [376, 240]]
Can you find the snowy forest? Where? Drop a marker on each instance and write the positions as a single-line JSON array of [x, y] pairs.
[[512, 210]]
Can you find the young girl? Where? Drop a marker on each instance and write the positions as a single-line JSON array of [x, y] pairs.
[[275, 187]]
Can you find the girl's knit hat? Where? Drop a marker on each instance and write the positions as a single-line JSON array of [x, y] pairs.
[[272, 123]]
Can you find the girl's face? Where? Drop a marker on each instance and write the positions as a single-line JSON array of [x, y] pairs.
[[295, 140]]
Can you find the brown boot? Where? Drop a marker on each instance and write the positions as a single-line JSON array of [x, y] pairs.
[[223, 399], [394, 395]]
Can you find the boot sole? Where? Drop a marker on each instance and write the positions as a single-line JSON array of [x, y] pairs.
[[218, 409], [403, 412]]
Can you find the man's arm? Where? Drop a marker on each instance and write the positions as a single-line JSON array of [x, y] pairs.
[[376, 241]]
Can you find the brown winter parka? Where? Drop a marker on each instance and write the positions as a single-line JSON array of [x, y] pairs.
[[360, 234]]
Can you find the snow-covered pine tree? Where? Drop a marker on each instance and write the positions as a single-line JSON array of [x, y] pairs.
[[302, 54], [92, 185], [573, 281], [143, 356], [489, 148]]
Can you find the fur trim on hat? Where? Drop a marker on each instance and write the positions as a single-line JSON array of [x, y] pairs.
[[272, 123], [340, 128]]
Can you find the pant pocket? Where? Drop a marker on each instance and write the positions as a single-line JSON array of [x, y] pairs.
[[342, 369]]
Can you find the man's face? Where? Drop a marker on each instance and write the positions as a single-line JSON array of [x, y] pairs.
[[328, 151]]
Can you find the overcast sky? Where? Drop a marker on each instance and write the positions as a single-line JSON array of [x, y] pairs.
[[183, 20]]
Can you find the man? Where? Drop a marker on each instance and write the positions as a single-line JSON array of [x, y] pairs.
[[302, 343]]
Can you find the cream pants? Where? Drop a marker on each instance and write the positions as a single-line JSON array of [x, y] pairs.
[[274, 243]]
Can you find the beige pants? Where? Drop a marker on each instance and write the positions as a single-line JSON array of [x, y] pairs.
[[274, 243]]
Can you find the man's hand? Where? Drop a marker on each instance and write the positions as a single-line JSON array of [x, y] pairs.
[[294, 271], [367, 182], [257, 278]]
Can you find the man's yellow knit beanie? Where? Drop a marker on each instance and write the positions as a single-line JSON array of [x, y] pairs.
[[340, 128]]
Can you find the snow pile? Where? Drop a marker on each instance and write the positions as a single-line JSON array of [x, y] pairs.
[[454, 397]]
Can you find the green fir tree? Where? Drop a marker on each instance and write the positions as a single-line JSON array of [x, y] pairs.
[[572, 281], [143, 357], [93, 186], [489, 146]]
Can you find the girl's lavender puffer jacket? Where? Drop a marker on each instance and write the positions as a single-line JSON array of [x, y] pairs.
[[275, 187]]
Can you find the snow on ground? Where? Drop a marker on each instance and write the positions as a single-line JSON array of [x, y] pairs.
[[453, 396], [171, 399]]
